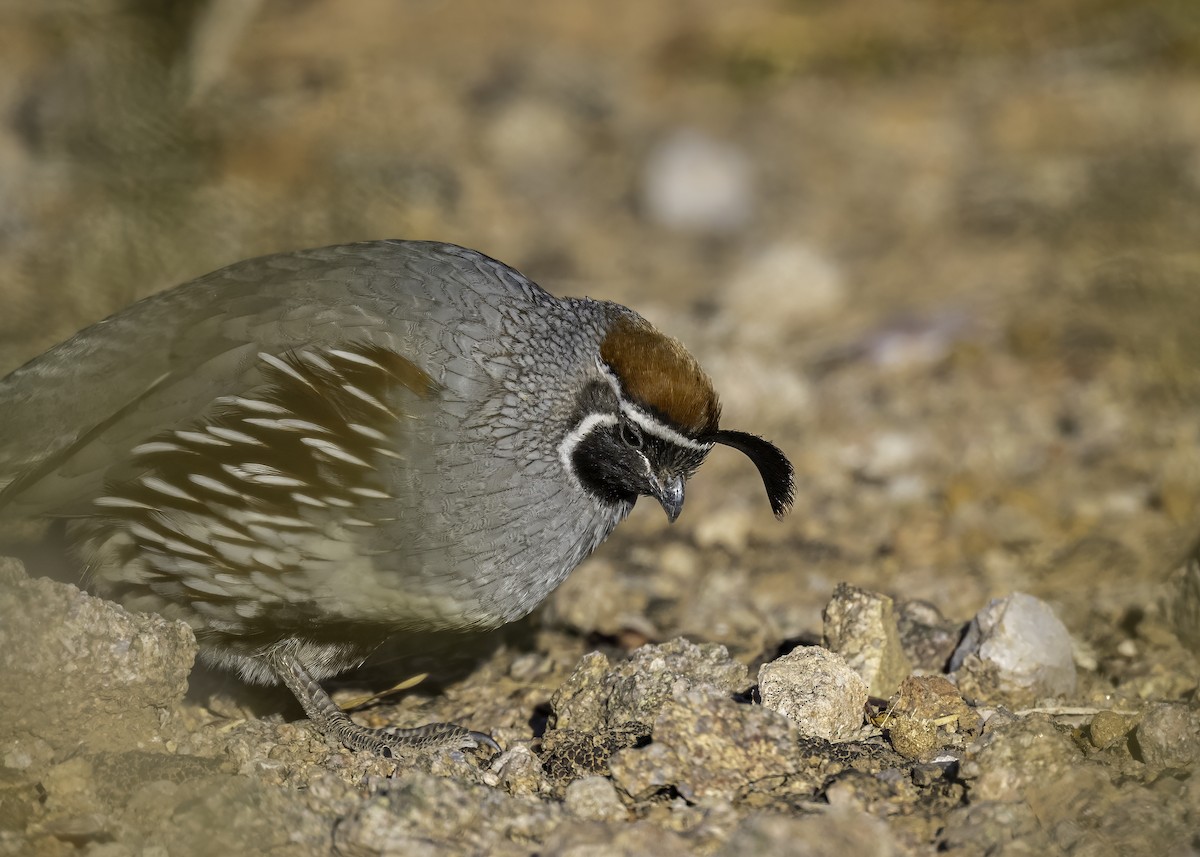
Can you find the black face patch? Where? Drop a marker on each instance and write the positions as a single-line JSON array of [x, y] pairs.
[[608, 468]]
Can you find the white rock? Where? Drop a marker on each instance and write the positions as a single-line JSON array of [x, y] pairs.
[[694, 183], [1026, 645], [817, 690]]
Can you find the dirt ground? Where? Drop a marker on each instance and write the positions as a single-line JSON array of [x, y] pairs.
[[943, 253]]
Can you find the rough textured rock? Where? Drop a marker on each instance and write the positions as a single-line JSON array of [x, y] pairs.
[[1014, 755], [1107, 728], [599, 695], [815, 689], [519, 771], [1061, 805], [117, 677], [927, 714], [612, 839], [1168, 736], [595, 799], [830, 834], [421, 814], [1017, 651], [1183, 603], [709, 749], [861, 627], [928, 638]]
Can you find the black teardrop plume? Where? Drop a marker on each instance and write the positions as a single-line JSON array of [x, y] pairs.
[[774, 468]]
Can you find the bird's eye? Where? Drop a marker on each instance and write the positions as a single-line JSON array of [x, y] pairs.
[[631, 434]]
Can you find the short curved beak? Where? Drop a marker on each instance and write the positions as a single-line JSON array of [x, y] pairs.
[[669, 493]]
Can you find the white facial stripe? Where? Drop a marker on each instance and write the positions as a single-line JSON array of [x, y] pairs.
[[645, 421], [652, 426], [575, 436], [611, 377]]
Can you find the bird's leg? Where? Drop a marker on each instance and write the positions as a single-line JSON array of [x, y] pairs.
[[331, 720]]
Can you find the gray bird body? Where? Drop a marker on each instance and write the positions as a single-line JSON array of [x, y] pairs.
[[302, 455], [141, 428]]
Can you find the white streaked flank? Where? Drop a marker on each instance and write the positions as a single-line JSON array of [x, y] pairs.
[[360, 393], [275, 363], [274, 520], [367, 431], [354, 357], [252, 404], [267, 557], [201, 438], [144, 533], [164, 487], [308, 501], [155, 446], [318, 361], [233, 435], [212, 484], [119, 503], [333, 450], [261, 474]]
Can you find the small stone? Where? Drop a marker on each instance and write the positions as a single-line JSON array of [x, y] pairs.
[[861, 627], [694, 183], [912, 738], [599, 696], [927, 637], [817, 690], [928, 774], [595, 799], [520, 771], [709, 749], [1017, 651], [1168, 737], [1107, 728], [926, 714]]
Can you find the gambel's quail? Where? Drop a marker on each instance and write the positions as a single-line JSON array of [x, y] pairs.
[[303, 454]]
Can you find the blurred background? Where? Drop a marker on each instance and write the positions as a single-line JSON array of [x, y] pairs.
[[945, 253]]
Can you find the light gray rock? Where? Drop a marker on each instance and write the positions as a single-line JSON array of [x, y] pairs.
[[817, 690], [1016, 650], [694, 183]]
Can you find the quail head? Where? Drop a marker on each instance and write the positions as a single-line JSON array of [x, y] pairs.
[[303, 454]]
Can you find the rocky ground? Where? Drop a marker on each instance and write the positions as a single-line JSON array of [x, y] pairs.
[[943, 253]]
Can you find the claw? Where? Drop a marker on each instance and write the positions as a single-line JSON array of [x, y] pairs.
[[482, 738]]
